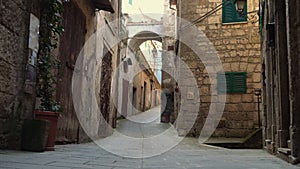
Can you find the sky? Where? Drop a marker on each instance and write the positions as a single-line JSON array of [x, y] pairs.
[[146, 6], [151, 8]]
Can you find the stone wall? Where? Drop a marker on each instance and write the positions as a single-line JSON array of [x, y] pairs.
[[97, 68], [238, 47], [15, 103], [18, 97], [281, 95], [168, 64]]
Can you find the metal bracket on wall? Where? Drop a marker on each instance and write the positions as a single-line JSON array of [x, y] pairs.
[[253, 16]]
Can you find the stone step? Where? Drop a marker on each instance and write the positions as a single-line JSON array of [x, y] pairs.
[[285, 151], [253, 140]]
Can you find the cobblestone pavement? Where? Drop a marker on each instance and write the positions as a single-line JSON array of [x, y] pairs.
[[186, 155]]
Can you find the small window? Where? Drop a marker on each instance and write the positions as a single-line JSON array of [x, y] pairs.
[[235, 82], [229, 13]]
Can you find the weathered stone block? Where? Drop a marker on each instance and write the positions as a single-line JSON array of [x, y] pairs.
[[256, 77], [247, 98], [14, 17], [254, 59], [236, 116], [243, 67], [3, 141], [204, 90], [251, 67], [238, 133], [220, 132], [248, 107], [231, 107], [235, 98], [4, 126], [235, 67], [205, 99]]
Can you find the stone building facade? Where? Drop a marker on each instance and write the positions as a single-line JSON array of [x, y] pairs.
[[138, 83], [236, 40], [168, 62], [19, 40], [94, 57], [17, 93], [280, 62]]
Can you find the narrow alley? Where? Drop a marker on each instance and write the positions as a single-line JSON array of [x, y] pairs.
[[173, 84], [188, 154]]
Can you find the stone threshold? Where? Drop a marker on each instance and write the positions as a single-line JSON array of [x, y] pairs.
[[285, 151]]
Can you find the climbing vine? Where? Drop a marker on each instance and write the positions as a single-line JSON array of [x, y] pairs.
[[51, 29]]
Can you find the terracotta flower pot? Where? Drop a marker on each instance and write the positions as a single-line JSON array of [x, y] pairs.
[[52, 117]]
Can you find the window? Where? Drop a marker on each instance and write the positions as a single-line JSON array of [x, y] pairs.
[[229, 13], [235, 82]]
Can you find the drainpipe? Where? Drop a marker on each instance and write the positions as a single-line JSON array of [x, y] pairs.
[[257, 93]]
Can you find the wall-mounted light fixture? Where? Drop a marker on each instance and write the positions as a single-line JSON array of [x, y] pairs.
[[240, 9], [128, 60], [240, 6]]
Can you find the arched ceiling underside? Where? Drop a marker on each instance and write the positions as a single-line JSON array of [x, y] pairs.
[[142, 37]]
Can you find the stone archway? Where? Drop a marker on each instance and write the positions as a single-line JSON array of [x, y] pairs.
[[140, 33]]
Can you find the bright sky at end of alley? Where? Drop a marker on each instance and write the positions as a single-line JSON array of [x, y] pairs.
[[146, 6]]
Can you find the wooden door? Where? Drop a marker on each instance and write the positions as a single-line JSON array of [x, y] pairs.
[[105, 89], [71, 43], [125, 98]]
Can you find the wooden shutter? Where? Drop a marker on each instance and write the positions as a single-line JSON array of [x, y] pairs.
[[236, 82], [229, 13], [239, 80], [223, 83]]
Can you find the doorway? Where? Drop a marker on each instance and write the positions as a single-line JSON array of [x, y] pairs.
[[125, 98], [134, 100], [105, 87], [145, 96]]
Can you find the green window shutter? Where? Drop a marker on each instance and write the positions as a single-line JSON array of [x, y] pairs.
[[223, 84], [221, 80], [236, 82], [229, 13], [239, 81]]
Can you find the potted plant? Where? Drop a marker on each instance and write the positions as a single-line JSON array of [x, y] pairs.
[[51, 28]]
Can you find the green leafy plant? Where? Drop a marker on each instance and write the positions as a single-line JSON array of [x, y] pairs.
[[51, 29]]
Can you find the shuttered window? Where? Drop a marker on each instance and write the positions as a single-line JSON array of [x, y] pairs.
[[229, 13], [232, 82]]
